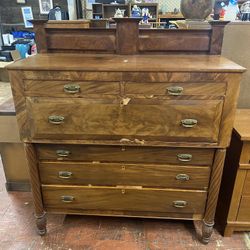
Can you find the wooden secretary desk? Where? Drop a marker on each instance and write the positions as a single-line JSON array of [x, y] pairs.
[[126, 121]]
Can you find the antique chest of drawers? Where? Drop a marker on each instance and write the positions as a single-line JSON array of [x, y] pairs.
[[233, 211], [125, 142]]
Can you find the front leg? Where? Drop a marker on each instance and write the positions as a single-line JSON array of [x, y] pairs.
[[36, 188], [213, 194], [41, 222], [207, 230]]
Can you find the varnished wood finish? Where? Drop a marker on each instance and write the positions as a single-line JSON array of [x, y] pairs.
[[234, 193], [205, 89], [246, 189], [113, 174], [131, 214], [39, 29], [244, 211], [127, 38], [241, 124], [142, 136], [127, 63], [67, 24], [174, 41], [56, 88], [124, 199], [216, 39], [213, 194], [81, 39], [36, 189], [50, 88], [128, 154], [104, 119], [127, 42]]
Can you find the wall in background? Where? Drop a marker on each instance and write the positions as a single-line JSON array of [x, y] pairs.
[[236, 47], [169, 5], [10, 10]]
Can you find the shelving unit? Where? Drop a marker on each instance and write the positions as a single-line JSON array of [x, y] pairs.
[[153, 9], [108, 10], [97, 10]]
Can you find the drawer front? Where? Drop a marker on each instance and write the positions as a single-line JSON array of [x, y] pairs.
[[246, 189], [132, 154], [176, 89], [70, 88], [106, 119], [245, 154], [72, 75], [112, 174], [118, 199], [244, 209]]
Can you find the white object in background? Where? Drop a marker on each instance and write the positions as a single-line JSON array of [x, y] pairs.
[[231, 10], [45, 6], [21, 1], [27, 15], [11, 38], [6, 40], [72, 9]]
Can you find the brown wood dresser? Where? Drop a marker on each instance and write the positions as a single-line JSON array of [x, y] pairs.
[[124, 122], [233, 211]]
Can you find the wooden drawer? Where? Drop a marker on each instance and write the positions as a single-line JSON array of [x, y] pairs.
[[72, 75], [176, 89], [70, 88], [132, 154], [106, 119], [113, 174], [127, 199], [246, 189], [244, 209], [245, 154]]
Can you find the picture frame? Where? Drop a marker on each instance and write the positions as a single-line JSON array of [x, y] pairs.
[[27, 15], [45, 6]]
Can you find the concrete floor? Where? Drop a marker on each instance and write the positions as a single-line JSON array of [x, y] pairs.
[[18, 232]]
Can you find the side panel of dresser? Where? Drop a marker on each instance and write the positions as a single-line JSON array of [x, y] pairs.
[[228, 110], [233, 207]]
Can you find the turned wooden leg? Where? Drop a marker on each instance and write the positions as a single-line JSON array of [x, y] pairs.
[[207, 230], [36, 188], [41, 223], [214, 188]]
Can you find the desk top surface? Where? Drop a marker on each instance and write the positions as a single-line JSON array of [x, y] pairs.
[[7, 107], [242, 124], [130, 63]]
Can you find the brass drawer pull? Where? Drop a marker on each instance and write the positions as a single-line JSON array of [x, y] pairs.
[[56, 119], [179, 204], [65, 174], [184, 157], [189, 123], [71, 88], [175, 90], [67, 198], [63, 153], [182, 177]]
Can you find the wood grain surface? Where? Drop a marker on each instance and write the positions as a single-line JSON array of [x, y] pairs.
[[244, 211], [241, 124], [129, 154], [124, 199], [120, 63], [142, 119], [113, 174]]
